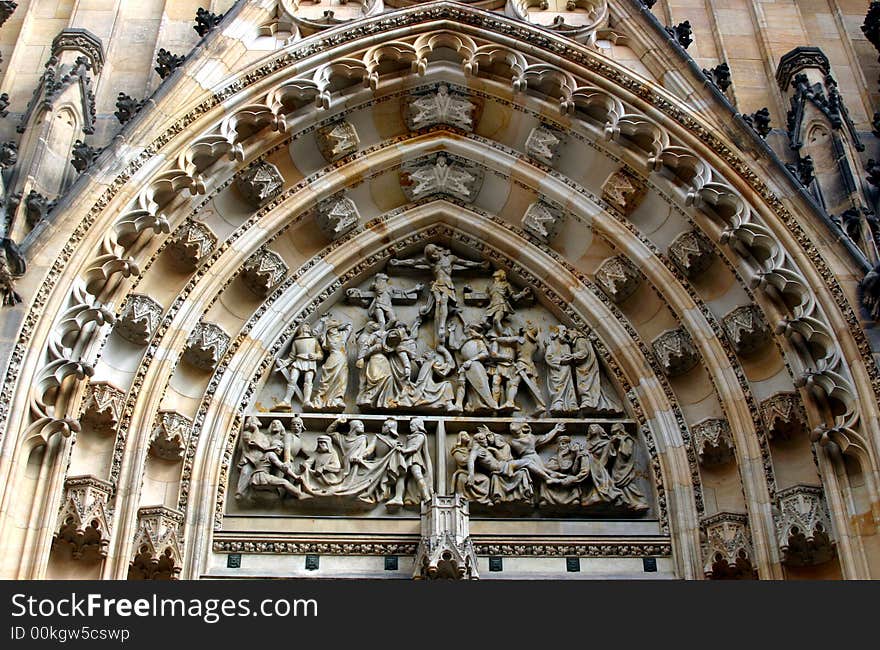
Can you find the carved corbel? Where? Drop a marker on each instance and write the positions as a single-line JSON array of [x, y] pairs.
[[675, 352], [337, 216], [206, 346], [337, 140], [158, 549], [783, 415], [803, 526], [139, 319], [190, 244], [260, 183], [170, 435], [83, 522], [102, 406], [746, 329], [263, 272], [727, 549], [713, 441], [691, 253], [544, 144], [618, 278], [445, 548], [624, 191], [543, 220]]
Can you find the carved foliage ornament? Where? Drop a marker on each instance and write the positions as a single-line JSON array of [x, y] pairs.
[[139, 319], [624, 190], [260, 183], [675, 352], [618, 278], [206, 346], [83, 522]]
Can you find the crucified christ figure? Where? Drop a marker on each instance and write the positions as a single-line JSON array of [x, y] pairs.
[[442, 300]]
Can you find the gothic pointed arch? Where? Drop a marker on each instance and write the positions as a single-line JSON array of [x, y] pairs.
[[313, 292]]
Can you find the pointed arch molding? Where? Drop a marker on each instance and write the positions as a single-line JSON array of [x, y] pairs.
[[125, 213]]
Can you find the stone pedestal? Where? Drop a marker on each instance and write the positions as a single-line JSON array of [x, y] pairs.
[[446, 549]]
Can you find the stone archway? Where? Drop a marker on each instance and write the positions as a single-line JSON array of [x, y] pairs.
[[725, 268]]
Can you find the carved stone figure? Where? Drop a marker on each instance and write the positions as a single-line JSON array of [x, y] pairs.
[[567, 460], [442, 301], [510, 480], [601, 448], [301, 363], [381, 309], [528, 347], [432, 388], [502, 297], [623, 471], [357, 448], [560, 381], [334, 371], [409, 464], [587, 375], [12, 267], [466, 480], [525, 445], [322, 469], [474, 393], [261, 460], [376, 381], [503, 370]]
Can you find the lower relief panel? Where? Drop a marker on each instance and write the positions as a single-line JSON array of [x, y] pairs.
[[339, 496]]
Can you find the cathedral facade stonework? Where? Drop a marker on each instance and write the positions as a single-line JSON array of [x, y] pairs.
[[466, 290]]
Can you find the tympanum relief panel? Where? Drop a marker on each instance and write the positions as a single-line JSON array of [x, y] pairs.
[[440, 373]]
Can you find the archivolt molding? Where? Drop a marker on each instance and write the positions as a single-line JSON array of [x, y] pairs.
[[776, 255]]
